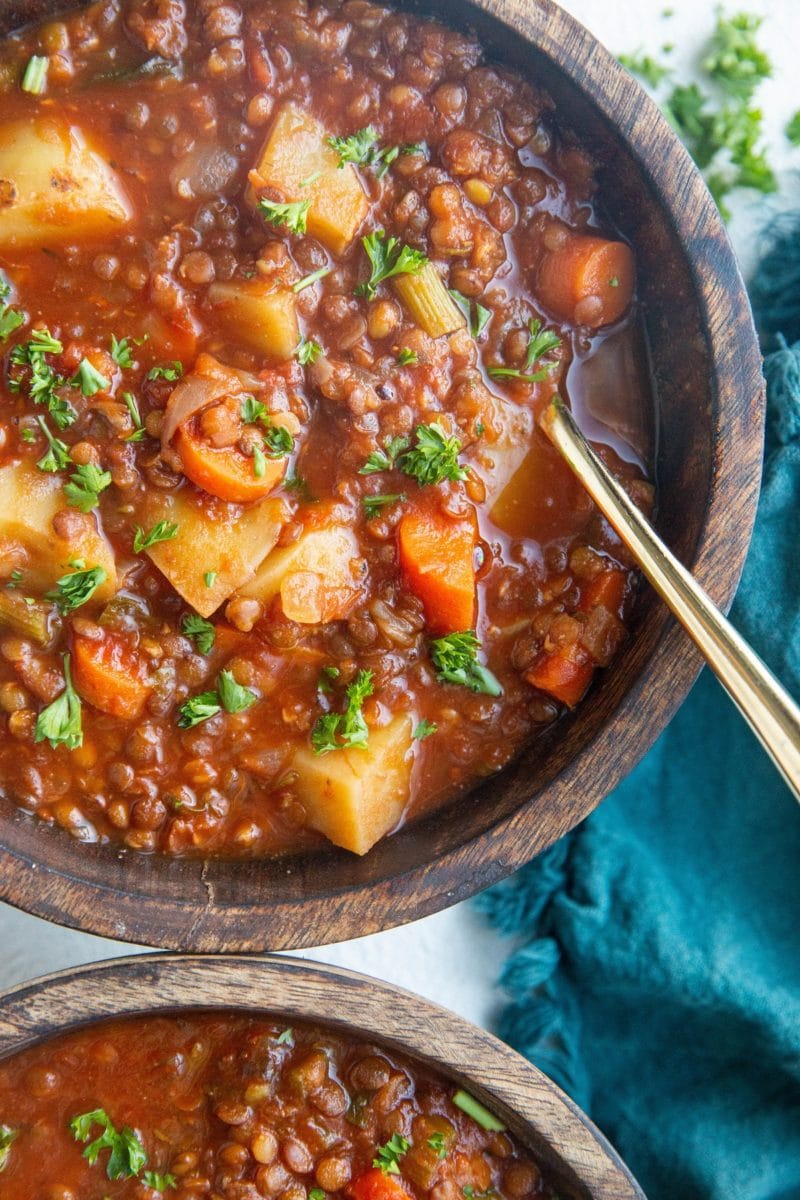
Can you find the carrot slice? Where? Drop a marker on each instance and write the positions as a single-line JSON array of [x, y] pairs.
[[606, 590], [437, 554], [110, 675], [586, 267], [564, 673], [225, 472], [374, 1185]]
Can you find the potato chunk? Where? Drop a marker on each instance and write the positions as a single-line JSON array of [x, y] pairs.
[[216, 549], [29, 500], [53, 187], [297, 153], [317, 577], [262, 317], [355, 797]]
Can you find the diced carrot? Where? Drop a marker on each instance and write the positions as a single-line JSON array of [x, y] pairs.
[[374, 1185], [437, 554], [564, 673], [110, 675], [585, 267], [225, 472], [606, 590]]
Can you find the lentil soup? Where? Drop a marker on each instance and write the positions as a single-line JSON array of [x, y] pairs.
[[285, 287], [239, 1108]]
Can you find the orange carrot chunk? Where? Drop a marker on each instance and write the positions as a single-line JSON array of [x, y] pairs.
[[437, 554], [606, 590], [588, 280], [110, 675], [564, 673], [374, 1185], [225, 472]]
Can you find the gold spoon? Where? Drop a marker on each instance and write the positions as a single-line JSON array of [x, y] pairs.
[[766, 706]]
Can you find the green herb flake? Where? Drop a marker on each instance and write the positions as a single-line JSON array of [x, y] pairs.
[[228, 695], [436, 1141], [407, 358], [127, 1154], [645, 67], [473, 1108], [337, 731], [89, 379], [162, 531], [434, 456], [286, 1038], [210, 578], [14, 579], [364, 150], [259, 462], [793, 129], [43, 381], [71, 591], [308, 280], [455, 658], [386, 459], [307, 352], [7, 1138], [477, 316], [56, 458], [279, 441], [423, 730], [85, 485], [316, 1194], [388, 1156], [735, 60], [540, 342], [388, 257], [374, 505], [252, 410], [121, 352], [326, 678], [136, 418], [201, 631], [34, 79], [293, 217], [233, 696], [158, 1182], [60, 722], [10, 319], [172, 372], [197, 709]]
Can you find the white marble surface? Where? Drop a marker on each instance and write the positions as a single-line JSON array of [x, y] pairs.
[[451, 957]]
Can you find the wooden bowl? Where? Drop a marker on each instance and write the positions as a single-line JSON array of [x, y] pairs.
[[562, 1139], [706, 368]]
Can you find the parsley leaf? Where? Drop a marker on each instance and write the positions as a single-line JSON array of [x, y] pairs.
[[477, 316], [793, 129], [34, 80], [127, 1156], [363, 149], [326, 677], [201, 632], [424, 729], [136, 418], [88, 379], [734, 60], [85, 485], [171, 372], [228, 695], [541, 342], [159, 1183], [279, 441], [434, 456], [43, 380], [162, 531], [645, 67], [374, 504], [286, 1038], [197, 709], [60, 722], [10, 319], [307, 352], [121, 352], [455, 658], [385, 460], [308, 280], [7, 1138], [57, 456], [252, 410], [388, 257], [436, 1141], [337, 731], [407, 358], [209, 578], [389, 1155], [316, 1194], [234, 697], [293, 217], [71, 591]]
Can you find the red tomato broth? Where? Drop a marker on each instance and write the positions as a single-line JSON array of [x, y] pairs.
[[229, 785]]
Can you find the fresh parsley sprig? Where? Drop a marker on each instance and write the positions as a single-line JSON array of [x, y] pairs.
[[127, 1154], [433, 458], [60, 722], [293, 217], [540, 343], [10, 319], [201, 632], [385, 460], [455, 658], [338, 731], [162, 531], [374, 505], [477, 316], [89, 379], [43, 381], [75, 589], [388, 1156], [56, 458], [85, 485], [229, 695], [307, 351], [388, 257]]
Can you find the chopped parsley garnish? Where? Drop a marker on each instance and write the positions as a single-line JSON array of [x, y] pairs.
[[228, 695], [388, 257], [127, 1156], [363, 149], [316, 1194], [10, 319], [469, 1192], [473, 1108], [293, 217], [34, 80], [286, 1038], [158, 1182], [308, 280], [252, 410], [88, 379], [7, 1138], [162, 531], [388, 1156], [85, 485], [172, 372], [259, 462], [477, 316], [209, 578], [337, 731], [433, 457], [407, 358], [43, 380], [71, 591], [541, 342], [425, 729], [57, 456], [436, 1141], [60, 722], [14, 579], [200, 630], [373, 505], [386, 459], [307, 351], [734, 60], [613, 282], [792, 133], [300, 486], [645, 66], [279, 441], [136, 418], [326, 678], [121, 352], [455, 658]]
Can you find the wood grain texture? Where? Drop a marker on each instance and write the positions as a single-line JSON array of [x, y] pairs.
[[706, 368], [540, 1115]]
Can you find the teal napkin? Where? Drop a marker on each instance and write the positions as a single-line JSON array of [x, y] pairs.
[[656, 975]]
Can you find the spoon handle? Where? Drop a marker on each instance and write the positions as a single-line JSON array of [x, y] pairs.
[[763, 702]]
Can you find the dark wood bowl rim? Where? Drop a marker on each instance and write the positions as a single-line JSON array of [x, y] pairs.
[[361, 908], [296, 989]]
